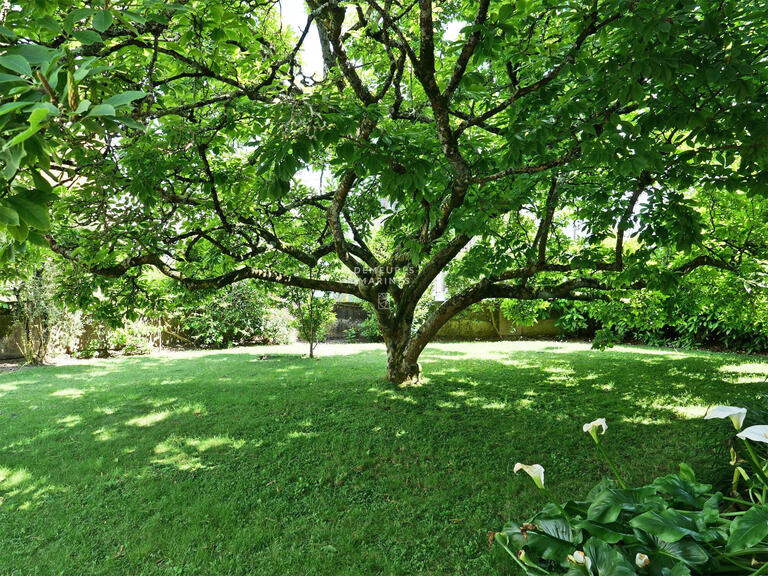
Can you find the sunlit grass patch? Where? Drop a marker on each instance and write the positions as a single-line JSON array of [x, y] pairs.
[[261, 461]]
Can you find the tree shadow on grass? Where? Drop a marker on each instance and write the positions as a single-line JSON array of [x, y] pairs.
[[222, 459]]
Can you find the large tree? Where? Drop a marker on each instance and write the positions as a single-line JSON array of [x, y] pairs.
[[518, 144]]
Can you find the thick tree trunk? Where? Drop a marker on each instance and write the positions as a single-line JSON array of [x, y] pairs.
[[401, 369]]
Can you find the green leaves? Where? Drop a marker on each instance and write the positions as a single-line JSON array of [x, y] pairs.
[[102, 20], [124, 98], [36, 119], [30, 208], [606, 560], [101, 110], [665, 525], [688, 493], [32, 214], [749, 529], [16, 64], [643, 527], [9, 216], [87, 37]]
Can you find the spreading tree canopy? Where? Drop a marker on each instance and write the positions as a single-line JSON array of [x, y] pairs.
[[537, 149]]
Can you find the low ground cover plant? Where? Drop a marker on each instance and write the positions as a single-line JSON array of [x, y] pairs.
[[675, 526]]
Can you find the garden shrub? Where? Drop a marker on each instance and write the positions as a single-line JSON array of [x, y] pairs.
[[238, 314], [368, 329], [134, 338], [278, 327], [674, 526], [708, 308], [47, 325]]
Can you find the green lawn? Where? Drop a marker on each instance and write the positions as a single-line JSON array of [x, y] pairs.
[[261, 461]]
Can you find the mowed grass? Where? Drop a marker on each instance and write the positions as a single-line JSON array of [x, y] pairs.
[[262, 461]]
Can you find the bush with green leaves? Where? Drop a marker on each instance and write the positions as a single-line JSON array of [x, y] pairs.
[[134, 338], [229, 317], [277, 327], [716, 310], [47, 326], [369, 330], [674, 526]]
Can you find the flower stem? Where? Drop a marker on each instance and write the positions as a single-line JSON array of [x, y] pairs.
[[525, 567], [734, 500], [611, 464], [756, 462], [557, 504]]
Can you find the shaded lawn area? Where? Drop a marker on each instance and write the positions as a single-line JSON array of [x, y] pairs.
[[261, 461]]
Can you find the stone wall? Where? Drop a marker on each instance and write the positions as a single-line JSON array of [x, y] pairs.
[[473, 325], [348, 315], [479, 325]]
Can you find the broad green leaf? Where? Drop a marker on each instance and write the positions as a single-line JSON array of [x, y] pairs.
[[686, 550], [16, 63], [87, 37], [82, 107], [36, 119], [102, 20], [76, 16], [660, 525], [682, 491], [124, 98], [557, 528], [11, 106], [33, 214], [748, 529], [606, 560], [37, 239], [102, 110], [678, 570], [9, 216], [41, 183], [506, 10], [34, 54], [600, 531], [20, 232], [8, 33]]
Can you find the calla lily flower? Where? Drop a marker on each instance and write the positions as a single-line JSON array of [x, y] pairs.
[[642, 560], [736, 415], [580, 559], [535, 471], [755, 433], [592, 427]]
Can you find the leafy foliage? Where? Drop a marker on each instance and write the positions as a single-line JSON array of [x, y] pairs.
[[708, 308], [57, 106], [314, 316], [675, 526], [549, 150], [236, 315], [46, 324]]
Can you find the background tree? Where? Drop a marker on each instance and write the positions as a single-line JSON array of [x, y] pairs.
[[314, 315], [520, 152]]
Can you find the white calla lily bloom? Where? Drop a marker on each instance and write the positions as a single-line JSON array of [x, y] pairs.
[[755, 433], [592, 427], [736, 414], [535, 471], [642, 560]]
